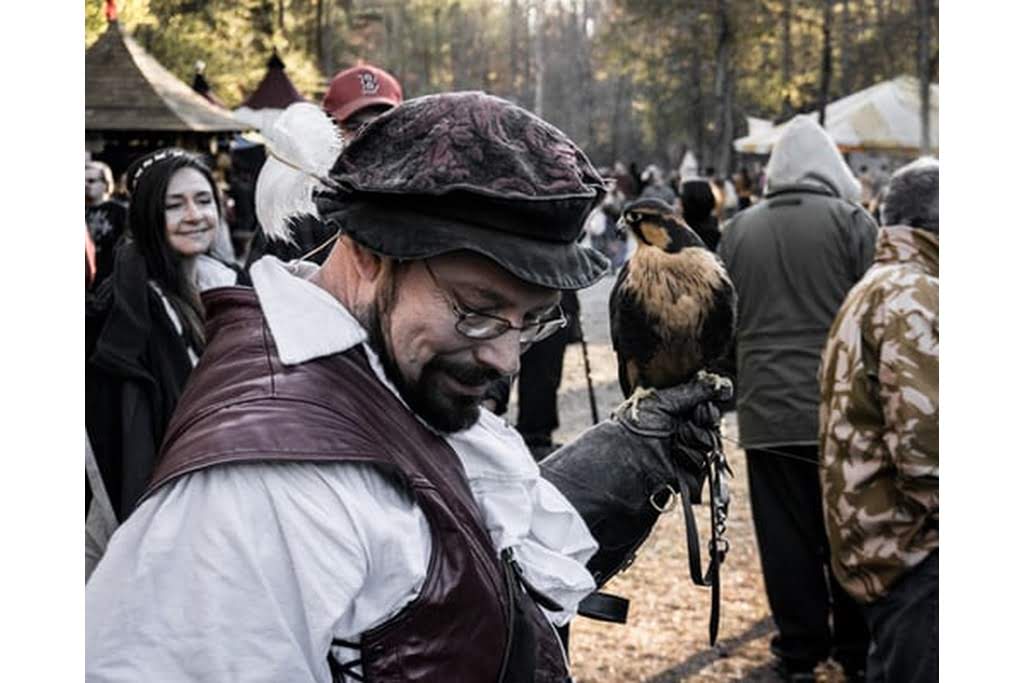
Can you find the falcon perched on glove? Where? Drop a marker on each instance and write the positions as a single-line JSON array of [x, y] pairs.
[[673, 307]]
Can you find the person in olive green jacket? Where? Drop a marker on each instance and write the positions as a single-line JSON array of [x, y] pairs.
[[880, 434], [793, 257]]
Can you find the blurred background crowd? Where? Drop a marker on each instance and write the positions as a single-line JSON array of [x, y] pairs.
[[171, 173]]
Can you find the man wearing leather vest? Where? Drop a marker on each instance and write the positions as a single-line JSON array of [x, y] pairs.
[[332, 503]]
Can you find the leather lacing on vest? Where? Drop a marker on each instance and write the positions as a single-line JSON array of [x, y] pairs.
[[519, 661], [341, 673]]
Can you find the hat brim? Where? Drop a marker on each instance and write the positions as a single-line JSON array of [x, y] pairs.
[[345, 111], [404, 234]]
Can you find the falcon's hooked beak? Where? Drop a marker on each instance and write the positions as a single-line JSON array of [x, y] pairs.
[[625, 222]]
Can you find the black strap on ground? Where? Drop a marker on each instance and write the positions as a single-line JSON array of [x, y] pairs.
[[604, 607]]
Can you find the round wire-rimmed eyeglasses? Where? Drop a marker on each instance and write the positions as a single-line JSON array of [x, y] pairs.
[[483, 326]]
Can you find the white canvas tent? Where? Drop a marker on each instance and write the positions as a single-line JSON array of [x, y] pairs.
[[757, 126], [884, 117]]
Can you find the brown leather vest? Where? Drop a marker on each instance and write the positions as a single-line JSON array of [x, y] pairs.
[[242, 404]]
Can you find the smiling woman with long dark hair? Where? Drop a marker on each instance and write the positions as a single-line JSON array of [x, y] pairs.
[[144, 325]]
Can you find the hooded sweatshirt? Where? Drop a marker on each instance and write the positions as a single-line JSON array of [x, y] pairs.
[[806, 154], [793, 257]]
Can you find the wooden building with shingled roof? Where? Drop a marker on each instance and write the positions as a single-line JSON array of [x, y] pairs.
[[134, 105]]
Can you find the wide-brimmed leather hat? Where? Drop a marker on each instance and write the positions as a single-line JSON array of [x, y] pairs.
[[469, 171]]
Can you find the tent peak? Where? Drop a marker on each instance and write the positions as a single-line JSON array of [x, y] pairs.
[[275, 91]]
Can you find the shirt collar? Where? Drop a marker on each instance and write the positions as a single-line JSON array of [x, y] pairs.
[[904, 244], [305, 321]]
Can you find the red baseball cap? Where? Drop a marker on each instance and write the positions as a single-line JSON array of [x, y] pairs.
[[359, 87]]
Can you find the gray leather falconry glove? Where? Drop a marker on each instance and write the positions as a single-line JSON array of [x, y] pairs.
[[621, 474]]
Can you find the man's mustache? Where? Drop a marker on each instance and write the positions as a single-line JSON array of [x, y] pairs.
[[468, 374]]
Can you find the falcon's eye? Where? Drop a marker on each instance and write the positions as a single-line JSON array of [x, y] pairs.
[[632, 217]]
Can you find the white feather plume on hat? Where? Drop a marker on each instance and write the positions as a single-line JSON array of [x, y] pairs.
[[302, 146]]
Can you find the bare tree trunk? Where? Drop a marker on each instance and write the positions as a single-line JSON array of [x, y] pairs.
[[327, 44], [787, 57], [880, 13], [723, 87], [844, 51], [863, 52], [538, 46], [826, 60], [587, 75], [527, 61], [882, 27], [389, 38], [280, 15], [513, 44], [318, 34], [482, 51], [398, 60], [460, 47], [427, 55], [437, 47], [568, 107], [616, 140], [924, 26], [697, 109]]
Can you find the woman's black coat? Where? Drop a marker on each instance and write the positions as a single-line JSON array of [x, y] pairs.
[[136, 366]]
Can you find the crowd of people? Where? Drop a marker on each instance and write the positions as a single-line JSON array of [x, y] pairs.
[[295, 468], [796, 239], [705, 200], [837, 406]]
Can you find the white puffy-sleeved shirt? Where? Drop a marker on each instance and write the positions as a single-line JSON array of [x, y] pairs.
[[247, 572]]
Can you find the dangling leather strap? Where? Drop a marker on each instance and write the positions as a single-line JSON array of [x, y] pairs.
[[718, 546], [607, 607], [604, 607]]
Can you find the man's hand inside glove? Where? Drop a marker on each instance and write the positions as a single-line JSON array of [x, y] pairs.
[[614, 470], [662, 412], [688, 415]]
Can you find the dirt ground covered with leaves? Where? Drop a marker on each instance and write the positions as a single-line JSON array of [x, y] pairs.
[[666, 637]]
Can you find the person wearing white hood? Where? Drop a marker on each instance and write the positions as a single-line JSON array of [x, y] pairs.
[[793, 257]]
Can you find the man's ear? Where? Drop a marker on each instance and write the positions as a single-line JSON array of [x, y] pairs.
[[368, 264]]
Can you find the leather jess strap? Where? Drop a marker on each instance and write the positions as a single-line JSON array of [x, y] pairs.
[[718, 545], [604, 607], [614, 609], [710, 466], [711, 577], [611, 608]]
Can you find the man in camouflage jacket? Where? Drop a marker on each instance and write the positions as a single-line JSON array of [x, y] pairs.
[[879, 429]]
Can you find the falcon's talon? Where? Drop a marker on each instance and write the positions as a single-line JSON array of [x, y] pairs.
[[634, 401], [716, 381]]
